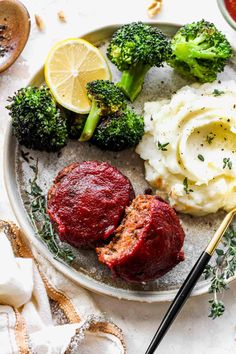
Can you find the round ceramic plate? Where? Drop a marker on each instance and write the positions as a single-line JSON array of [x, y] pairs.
[[85, 269]]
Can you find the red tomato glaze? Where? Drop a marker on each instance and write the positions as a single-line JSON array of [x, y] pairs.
[[87, 202], [231, 7]]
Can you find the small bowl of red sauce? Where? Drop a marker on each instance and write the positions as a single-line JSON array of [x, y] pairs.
[[228, 10]]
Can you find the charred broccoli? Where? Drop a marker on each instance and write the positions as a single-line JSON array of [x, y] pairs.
[[106, 99], [36, 120], [75, 124], [119, 131], [134, 49], [199, 50]]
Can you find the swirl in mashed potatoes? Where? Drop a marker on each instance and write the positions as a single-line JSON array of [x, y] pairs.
[[189, 148]]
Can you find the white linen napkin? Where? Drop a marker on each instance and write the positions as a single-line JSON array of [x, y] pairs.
[[27, 283]]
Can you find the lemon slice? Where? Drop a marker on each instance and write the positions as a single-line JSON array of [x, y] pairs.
[[70, 65]]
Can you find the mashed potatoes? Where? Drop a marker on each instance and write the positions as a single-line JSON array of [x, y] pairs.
[[189, 147]]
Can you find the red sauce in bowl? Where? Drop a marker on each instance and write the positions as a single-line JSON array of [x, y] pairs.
[[231, 7]]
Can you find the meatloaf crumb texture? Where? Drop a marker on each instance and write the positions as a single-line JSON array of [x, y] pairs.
[[147, 244], [128, 232]]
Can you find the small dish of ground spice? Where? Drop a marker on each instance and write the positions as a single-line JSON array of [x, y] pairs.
[[14, 31]]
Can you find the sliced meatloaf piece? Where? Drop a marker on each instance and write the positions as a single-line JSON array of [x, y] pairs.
[[147, 244], [87, 201]]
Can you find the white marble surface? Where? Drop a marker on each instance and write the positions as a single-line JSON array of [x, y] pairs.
[[193, 332]]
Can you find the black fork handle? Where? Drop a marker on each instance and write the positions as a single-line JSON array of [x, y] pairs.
[[179, 300]]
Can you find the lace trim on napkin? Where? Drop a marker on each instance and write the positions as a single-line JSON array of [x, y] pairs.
[[93, 323]]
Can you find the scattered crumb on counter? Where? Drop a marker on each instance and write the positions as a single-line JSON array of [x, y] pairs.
[[154, 8], [61, 16], [39, 22]]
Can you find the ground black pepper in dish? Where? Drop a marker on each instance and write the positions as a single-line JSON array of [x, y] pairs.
[[5, 36]]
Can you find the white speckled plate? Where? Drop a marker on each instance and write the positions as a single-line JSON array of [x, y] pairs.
[[86, 270]]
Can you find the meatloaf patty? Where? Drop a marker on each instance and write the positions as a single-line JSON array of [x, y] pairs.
[[87, 202], [147, 244]]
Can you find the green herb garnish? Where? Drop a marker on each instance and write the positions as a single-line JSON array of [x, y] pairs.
[[41, 221], [162, 147], [227, 162], [200, 157], [186, 187], [210, 137], [218, 273], [217, 92]]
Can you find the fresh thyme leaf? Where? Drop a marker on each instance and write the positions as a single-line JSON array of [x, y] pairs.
[[200, 157], [41, 221], [219, 252], [186, 187], [210, 137], [217, 92], [218, 273], [162, 146], [25, 155], [34, 168], [227, 162], [217, 309]]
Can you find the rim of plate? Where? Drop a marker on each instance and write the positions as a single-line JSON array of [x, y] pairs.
[[225, 13], [9, 176]]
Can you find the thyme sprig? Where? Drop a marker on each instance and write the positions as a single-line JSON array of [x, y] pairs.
[[41, 221], [218, 273], [210, 137], [217, 93], [162, 147], [186, 186], [227, 163]]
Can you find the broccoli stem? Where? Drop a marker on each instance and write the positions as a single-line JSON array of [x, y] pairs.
[[132, 81], [91, 122]]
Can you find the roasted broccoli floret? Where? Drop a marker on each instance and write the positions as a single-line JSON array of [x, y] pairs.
[[37, 122], [134, 49], [199, 51], [106, 99], [75, 124], [119, 131]]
